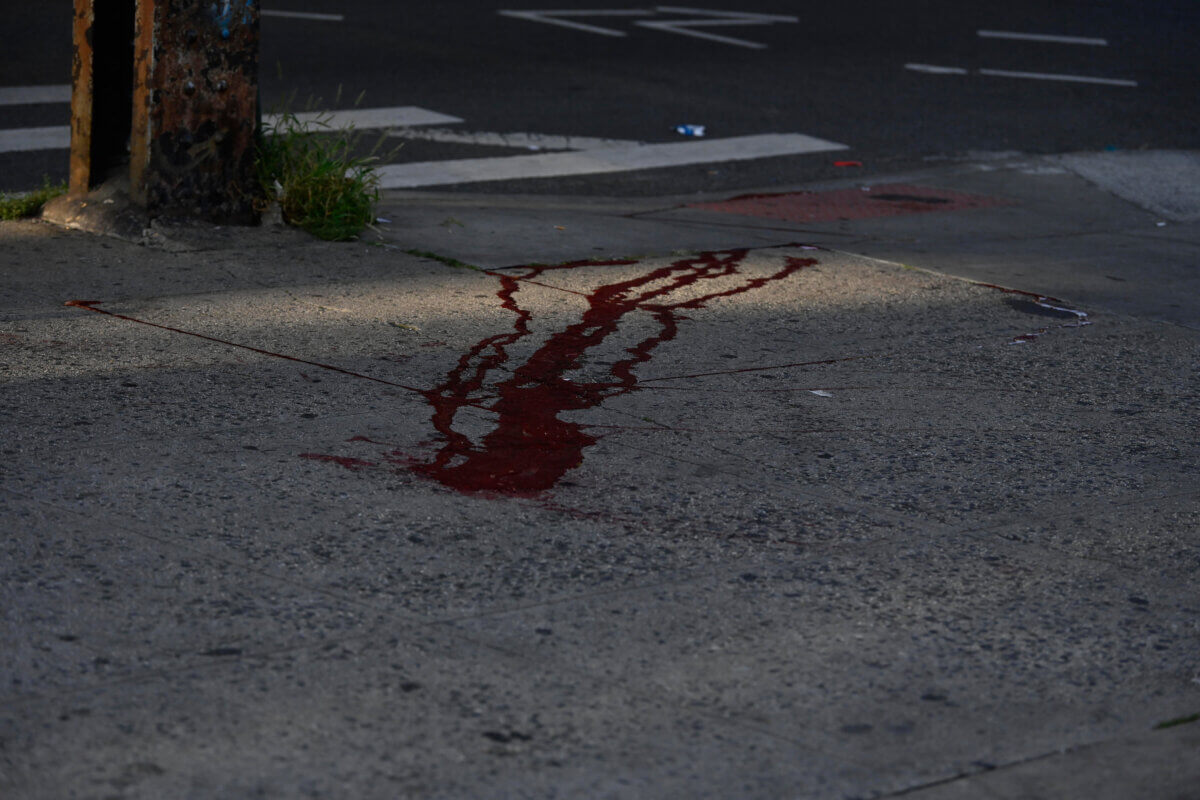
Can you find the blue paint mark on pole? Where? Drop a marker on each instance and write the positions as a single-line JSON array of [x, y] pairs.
[[225, 13]]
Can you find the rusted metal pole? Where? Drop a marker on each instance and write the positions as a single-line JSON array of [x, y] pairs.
[[168, 87], [103, 84], [81, 99], [195, 100], [143, 71]]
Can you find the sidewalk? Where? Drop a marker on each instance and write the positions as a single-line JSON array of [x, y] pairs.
[[712, 505]]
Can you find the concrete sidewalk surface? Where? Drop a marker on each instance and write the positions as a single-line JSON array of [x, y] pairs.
[[564, 497]]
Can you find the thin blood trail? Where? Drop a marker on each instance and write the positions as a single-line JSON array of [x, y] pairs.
[[531, 448], [90, 305]]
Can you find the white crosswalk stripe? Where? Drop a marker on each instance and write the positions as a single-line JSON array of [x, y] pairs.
[[59, 137], [25, 140], [618, 158], [583, 155], [32, 95], [366, 119]]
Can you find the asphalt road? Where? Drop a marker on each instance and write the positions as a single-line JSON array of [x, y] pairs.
[[855, 72]]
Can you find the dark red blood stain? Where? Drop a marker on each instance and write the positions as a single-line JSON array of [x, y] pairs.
[[531, 448], [349, 463]]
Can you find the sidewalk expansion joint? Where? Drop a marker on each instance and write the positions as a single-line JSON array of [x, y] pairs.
[[982, 771]]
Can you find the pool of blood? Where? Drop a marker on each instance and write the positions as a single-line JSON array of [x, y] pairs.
[[531, 447]]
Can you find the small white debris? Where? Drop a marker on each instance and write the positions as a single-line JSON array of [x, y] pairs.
[[820, 393]]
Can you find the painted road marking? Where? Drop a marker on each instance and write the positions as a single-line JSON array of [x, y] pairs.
[[553, 18], [24, 140], [585, 155], [1008, 73], [369, 118], [624, 158], [304, 15], [59, 137], [530, 141], [30, 95], [713, 18], [1043, 37], [683, 27], [1042, 76], [930, 69]]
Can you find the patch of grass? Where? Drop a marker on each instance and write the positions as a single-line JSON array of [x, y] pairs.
[[19, 206], [314, 172], [1174, 723]]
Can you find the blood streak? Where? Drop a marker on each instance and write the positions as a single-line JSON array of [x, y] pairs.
[[90, 305], [531, 447]]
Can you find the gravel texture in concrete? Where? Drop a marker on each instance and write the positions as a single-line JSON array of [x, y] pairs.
[[293, 519]]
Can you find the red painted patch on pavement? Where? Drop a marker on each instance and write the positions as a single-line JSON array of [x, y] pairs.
[[887, 200]]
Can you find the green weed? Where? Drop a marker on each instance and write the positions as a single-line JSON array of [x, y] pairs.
[[19, 206], [315, 173]]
